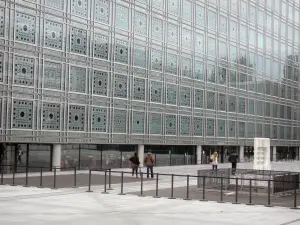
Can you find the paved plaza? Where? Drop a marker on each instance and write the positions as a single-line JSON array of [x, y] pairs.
[[45, 206]]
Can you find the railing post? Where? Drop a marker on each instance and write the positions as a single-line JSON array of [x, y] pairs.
[[14, 174], [269, 194], [221, 196], [156, 188], [187, 188], [109, 180], [105, 178], [142, 184], [122, 184], [250, 193], [41, 178], [203, 190], [75, 177], [236, 191], [26, 178], [90, 181], [2, 171], [295, 195], [172, 187], [54, 181]]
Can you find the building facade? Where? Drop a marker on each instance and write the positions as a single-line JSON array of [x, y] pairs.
[[83, 79]]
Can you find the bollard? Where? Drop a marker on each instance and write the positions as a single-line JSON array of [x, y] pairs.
[[172, 187], [250, 193], [75, 178], [105, 178], [142, 184], [41, 178], [156, 189], [187, 188], [2, 168], [295, 196], [54, 181], [26, 178], [109, 180], [122, 184], [269, 194], [90, 181], [203, 191], [14, 174], [236, 191], [221, 197]]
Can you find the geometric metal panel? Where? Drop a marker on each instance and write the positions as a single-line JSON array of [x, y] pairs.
[[76, 117], [211, 73], [120, 119], [140, 23], [186, 10], [24, 71], [157, 28], [185, 125], [25, 28], [222, 75], [121, 52], [155, 123], [100, 46], [139, 56], [78, 40], [59, 4], [172, 34], [138, 122], [171, 94], [274, 132], [221, 128], [185, 96], [267, 130], [259, 130], [156, 59], [251, 106], [52, 75], [259, 108], [22, 114], [242, 105], [80, 7], [2, 16], [242, 129], [158, 4], [100, 83], [122, 17], [186, 38], [199, 70], [210, 127], [170, 124], [250, 130], [156, 91], [51, 116], [186, 67], [1, 66], [199, 96], [120, 86], [199, 44], [210, 100], [198, 126], [281, 132], [77, 79], [231, 128], [200, 15], [172, 64], [173, 6], [139, 89], [222, 102], [99, 119], [231, 103], [53, 34], [102, 11]]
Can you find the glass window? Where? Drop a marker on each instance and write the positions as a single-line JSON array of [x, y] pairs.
[[252, 14], [223, 24], [260, 85], [232, 82], [243, 33], [252, 37], [210, 100], [221, 128], [276, 25], [212, 19], [211, 73], [267, 109], [242, 105], [222, 76], [233, 54], [268, 66], [250, 129], [243, 10], [251, 106], [276, 5], [275, 110], [243, 81], [259, 108], [283, 9], [210, 127], [260, 18], [260, 62], [234, 6], [233, 29], [290, 32], [282, 29], [251, 83], [269, 4], [260, 42], [275, 47], [187, 10], [200, 15], [222, 50], [269, 22], [211, 48], [296, 12], [224, 4], [268, 44], [290, 13]]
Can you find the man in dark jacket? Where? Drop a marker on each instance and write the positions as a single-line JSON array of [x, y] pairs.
[[135, 163], [233, 158]]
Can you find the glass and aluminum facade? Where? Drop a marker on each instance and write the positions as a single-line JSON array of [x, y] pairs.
[[179, 72]]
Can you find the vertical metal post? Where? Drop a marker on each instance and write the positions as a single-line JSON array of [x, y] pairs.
[[109, 180], [295, 195], [105, 178], [187, 188], [41, 178], [90, 181], [250, 193], [269, 194], [142, 184], [14, 174], [203, 190], [221, 196], [54, 181], [172, 187], [2, 171], [122, 184], [26, 178], [156, 188], [236, 191], [75, 177]]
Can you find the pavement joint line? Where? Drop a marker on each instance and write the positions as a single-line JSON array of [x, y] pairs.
[[290, 222]]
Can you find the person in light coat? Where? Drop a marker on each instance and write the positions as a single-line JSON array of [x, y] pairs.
[[214, 160]]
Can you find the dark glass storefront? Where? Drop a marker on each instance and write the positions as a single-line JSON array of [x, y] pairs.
[[223, 152]]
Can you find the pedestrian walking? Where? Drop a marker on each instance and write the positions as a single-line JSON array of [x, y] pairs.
[[149, 162], [233, 159], [214, 160], [135, 163]]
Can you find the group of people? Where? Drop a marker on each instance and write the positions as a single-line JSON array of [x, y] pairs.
[[233, 159], [148, 161]]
